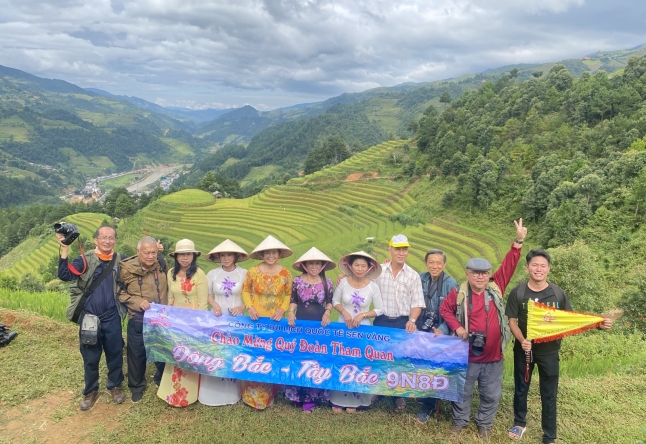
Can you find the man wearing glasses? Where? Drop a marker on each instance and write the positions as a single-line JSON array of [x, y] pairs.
[[475, 312], [437, 284], [86, 270]]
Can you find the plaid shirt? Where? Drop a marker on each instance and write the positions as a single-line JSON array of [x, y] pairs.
[[402, 293]]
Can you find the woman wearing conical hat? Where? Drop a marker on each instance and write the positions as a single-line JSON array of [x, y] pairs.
[[224, 296], [187, 288], [266, 292], [352, 299], [311, 301]]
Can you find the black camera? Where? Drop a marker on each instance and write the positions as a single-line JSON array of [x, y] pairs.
[[478, 341], [5, 335], [70, 231], [427, 320]]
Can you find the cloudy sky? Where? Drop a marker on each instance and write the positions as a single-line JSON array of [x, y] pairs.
[[275, 53]]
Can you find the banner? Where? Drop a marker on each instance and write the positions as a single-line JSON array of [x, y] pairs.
[[546, 323], [377, 360]]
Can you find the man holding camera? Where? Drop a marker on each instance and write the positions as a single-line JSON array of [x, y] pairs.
[[144, 282], [476, 313], [93, 296], [437, 285]]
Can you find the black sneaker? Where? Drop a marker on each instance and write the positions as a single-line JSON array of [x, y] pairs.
[[136, 397], [89, 400]]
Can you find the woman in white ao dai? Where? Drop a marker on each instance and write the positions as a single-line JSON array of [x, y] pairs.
[[225, 297]]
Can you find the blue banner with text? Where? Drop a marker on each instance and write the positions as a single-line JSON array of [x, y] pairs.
[[377, 360]]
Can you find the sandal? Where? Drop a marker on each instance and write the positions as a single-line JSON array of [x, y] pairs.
[[517, 432], [400, 404]]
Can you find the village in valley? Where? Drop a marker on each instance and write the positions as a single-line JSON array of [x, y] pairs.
[[94, 190]]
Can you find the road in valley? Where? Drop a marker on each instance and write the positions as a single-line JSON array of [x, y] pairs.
[[152, 177]]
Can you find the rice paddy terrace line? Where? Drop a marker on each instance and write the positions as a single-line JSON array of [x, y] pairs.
[[334, 216], [21, 261]]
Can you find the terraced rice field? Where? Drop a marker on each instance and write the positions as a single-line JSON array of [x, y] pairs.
[[336, 220], [336, 216], [31, 254]]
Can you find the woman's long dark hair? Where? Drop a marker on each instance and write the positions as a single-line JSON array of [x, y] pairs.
[[327, 296], [192, 269]]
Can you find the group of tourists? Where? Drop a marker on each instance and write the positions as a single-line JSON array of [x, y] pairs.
[[391, 294]]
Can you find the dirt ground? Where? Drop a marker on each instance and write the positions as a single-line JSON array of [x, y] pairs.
[[57, 419]]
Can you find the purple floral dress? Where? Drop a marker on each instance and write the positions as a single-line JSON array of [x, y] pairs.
[[311, 301]]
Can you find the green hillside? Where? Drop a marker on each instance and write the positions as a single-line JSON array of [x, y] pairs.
[[35, 252], [336, 216]]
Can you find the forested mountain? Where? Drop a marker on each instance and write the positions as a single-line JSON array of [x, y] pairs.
[[566, 153], [286, 144], [54, 134]]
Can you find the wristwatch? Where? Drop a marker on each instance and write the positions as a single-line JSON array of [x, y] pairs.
[[412, 320]]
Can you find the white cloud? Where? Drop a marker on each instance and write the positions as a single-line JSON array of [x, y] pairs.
[[273, 53]]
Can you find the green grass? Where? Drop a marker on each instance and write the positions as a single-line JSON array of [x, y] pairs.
[[48, 304], [102, 161], [258, 173], [179, 147], [16, 127], [120, 181]]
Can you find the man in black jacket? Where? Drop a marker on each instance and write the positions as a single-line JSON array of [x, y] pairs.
[[102, 302]]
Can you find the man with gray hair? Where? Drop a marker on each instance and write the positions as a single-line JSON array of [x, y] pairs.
[[143, 280], [475, 312]]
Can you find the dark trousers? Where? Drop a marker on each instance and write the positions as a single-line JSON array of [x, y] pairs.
[[137, 357], [397, 322], [109, 342], [430, 405], [385, 321], [548, 372]]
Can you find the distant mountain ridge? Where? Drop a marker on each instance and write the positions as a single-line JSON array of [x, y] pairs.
[[183, 114]]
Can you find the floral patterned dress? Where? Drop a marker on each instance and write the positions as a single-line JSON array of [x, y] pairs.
[[225, 287], [180, 387], [266, 294], [311, 301], [355, 301]]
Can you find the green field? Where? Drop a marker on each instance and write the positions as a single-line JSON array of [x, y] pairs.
[[180, 148], [257, 173], [336, 217], [16, 127], [120, 181]]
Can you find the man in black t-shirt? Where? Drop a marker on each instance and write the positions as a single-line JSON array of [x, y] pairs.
[[545, 355]]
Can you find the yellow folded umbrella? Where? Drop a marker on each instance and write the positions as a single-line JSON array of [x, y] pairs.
[[545, 323]]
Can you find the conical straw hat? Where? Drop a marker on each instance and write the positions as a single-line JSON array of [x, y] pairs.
[[227, 246], [314, 254], [375, 267], [270, 243], [184, 246]]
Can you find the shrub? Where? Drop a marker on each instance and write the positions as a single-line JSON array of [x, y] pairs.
[[634, 301], [31, 283], [574, 268], [8, 282]]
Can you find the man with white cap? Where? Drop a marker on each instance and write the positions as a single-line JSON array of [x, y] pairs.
[[401, 293], [475, 311]]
